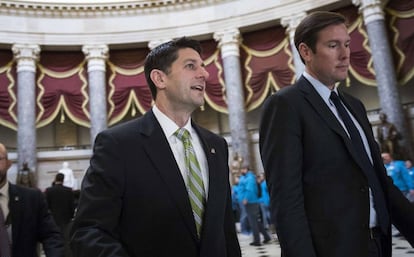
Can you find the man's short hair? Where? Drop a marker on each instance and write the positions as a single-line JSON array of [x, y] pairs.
[[162, 57], [59, 177]]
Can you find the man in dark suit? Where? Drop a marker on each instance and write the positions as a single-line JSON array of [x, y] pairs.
[[61, 202], [330, 196], [137, 197], [27, 219]]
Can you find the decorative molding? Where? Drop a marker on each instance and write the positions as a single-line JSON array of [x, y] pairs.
[[229, 41], [372, 10], [56, 25], [26, 56], [97, 9], [96, 56]]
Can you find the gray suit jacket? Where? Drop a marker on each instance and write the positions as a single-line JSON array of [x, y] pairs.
[[134, 201]]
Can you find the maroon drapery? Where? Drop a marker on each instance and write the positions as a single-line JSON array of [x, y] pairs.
[[127, 88], [62, 88], [8, 98], [266, 63]]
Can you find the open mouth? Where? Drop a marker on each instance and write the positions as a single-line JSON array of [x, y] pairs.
[[198, 87]]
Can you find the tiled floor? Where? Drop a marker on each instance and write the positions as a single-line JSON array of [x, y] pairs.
[[401, 248]]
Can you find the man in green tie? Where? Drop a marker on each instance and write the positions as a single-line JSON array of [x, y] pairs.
[[159, 185]]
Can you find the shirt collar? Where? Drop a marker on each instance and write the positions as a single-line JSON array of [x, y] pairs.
[[168, 126], [322, 89], [5, 190]]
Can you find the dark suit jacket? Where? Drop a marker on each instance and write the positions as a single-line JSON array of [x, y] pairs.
[[32, 223], [61, 202], [319, 194], [134, 201]]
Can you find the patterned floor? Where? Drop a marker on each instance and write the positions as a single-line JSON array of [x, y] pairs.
[[401, 248]]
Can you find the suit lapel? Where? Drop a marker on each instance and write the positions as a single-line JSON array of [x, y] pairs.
[[210, 153], [326, 114], [317, 103], [160, 153]]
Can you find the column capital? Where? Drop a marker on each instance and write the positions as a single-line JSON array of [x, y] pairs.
[[154, 43], [96, 56], [229, 41], [291, 22], [26, 56], [372, 10]]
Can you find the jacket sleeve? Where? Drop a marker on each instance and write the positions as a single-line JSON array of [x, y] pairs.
[[232, 243], [96, 223], [49, 234], [281, 152]]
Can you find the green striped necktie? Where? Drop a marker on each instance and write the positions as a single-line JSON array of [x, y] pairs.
[[195, 183]]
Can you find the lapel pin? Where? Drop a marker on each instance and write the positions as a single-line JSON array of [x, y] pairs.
[[213, 151]]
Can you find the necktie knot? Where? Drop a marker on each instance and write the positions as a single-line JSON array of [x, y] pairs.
[[182, 134], [334, 97]]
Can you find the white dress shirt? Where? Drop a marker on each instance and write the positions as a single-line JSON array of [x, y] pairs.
[[169, 127]]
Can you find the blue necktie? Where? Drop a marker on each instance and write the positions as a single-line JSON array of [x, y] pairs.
[[365, 163]]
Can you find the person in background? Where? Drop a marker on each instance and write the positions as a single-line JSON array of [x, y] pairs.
[[264, 201], [24, 219], [61, 202], [400, 175], [330, 195], [410, 168], [235, 199], [159, 185], [250, 199]]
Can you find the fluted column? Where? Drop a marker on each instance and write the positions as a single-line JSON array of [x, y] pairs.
[[96, 56], [229, 41], [26, 57], [389, 97], [291, 22]]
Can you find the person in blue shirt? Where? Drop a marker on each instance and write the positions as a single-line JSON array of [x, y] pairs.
[[398, 172], [264, 200], [410, 168], [249, 195]]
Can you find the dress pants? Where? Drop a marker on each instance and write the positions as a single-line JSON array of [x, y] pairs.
[[253, 212]]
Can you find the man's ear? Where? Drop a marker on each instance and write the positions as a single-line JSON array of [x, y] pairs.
[[9, 164], [305, 52], [158, 77]]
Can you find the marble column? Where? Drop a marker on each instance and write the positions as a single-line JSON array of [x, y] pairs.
[[291, 22], [229, 41], [389, 97], [26, 57], [96, 56]]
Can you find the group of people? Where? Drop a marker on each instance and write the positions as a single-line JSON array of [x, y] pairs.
[[402, 174], [163, 179], [251, 205]]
